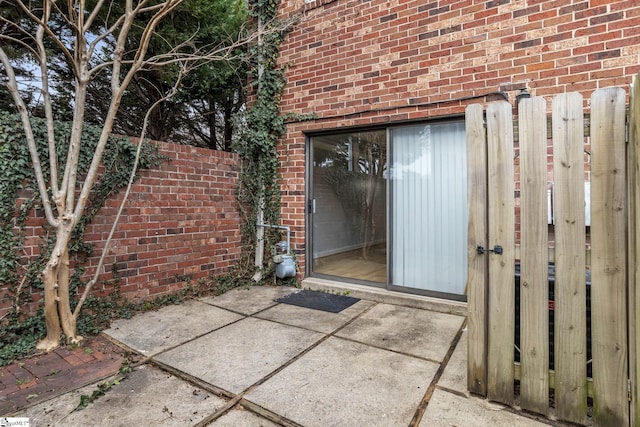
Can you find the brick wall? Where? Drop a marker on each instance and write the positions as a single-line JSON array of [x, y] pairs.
[[363, 63], [180, 223]]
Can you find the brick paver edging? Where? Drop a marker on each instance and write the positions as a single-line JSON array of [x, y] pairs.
[[42, 377]]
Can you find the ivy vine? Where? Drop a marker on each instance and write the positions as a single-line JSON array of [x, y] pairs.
[[19, 270], [262, 126]]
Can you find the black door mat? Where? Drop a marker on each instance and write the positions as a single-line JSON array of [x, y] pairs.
[[319, 300]]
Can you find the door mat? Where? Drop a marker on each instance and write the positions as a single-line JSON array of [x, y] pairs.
[[319, 300]]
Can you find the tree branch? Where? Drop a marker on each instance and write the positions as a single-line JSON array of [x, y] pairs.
[[117, 91], [12, 85], [44, 77], [14, 40], [54, 38], [92, 16]]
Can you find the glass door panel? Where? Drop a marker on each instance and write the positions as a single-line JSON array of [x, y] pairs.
[[429, 207], [349, 198]]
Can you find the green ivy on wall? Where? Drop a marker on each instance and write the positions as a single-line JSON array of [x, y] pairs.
[[262, 127]]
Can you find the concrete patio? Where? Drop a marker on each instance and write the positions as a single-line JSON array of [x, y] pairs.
[[242, 359]]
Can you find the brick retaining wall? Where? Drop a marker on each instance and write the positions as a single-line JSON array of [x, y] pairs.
[[180, 224]]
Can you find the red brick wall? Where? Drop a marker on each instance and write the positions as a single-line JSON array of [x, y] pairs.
[[180, 223], [360, 63]]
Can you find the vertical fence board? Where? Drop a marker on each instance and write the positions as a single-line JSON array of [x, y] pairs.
[[634, 249], [570, 313], [534, 294], [608, 257], [477, 235], [501, 328]]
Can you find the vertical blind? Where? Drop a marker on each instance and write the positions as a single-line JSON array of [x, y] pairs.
[[429, 207]]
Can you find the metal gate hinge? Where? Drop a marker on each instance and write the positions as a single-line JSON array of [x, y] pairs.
[[497, 249]]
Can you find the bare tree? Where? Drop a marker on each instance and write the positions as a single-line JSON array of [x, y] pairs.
[[76, 31]]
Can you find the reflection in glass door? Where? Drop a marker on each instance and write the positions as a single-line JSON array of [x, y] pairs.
[[349, 206]]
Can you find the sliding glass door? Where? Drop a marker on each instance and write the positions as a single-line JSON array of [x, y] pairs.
[[389, 207]]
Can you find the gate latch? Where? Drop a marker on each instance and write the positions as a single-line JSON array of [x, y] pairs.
[[497, 249]]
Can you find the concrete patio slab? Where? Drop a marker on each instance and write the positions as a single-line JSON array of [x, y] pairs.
[[348, 384], [155, 331], [448, 410], [408, 330], [238, 417], [250, 300], [316, 320], [455, 374], [289, 366], [147, 397], [236, 356]]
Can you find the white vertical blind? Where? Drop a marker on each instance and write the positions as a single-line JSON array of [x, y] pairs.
[[429, 207]]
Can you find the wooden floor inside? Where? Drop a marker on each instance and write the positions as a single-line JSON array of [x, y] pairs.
[[353, 265]]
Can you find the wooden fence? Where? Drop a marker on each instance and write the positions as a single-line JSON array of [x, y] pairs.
[[607, 248]]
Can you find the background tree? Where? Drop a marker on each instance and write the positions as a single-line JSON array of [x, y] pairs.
[[13, 46], [200, 113], [91, 39]]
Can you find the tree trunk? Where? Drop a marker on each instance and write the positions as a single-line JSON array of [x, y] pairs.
[[67, 320], [52, 340], [57, 309], [228, 127]]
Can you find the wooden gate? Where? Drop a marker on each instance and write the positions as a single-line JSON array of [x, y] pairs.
[[592, 253]]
